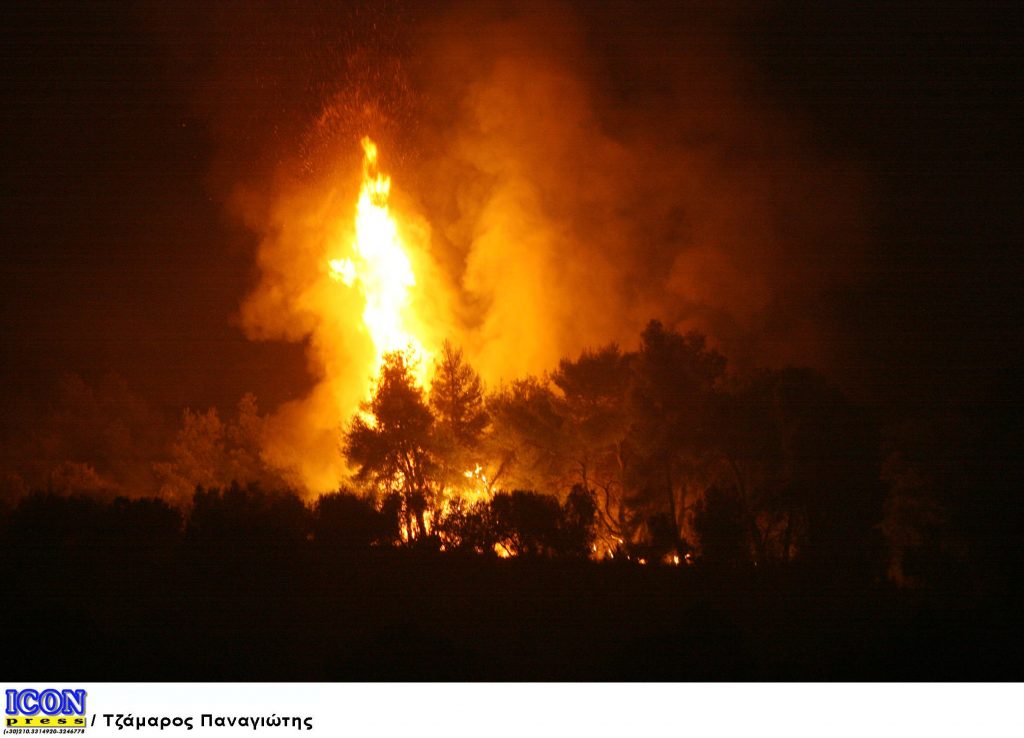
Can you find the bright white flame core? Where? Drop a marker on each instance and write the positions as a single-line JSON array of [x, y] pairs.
[[380, 268]]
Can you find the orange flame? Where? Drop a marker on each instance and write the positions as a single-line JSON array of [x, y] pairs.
[[381, 269]]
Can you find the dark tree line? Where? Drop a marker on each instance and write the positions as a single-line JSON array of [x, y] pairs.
[[679, 457], [658, 454], [245, 519], [790, 501]]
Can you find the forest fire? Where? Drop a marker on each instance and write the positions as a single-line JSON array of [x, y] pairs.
[[493, 340], [381, 269]]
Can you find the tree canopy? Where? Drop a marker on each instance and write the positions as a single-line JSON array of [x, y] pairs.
[[663, 450]]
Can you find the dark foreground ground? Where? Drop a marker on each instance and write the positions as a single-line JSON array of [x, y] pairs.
[[403, 615]]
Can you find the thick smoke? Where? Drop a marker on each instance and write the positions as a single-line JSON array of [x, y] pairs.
[[574, 209], [98, 437], [561, 176]]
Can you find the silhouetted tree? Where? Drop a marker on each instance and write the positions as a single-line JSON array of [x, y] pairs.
[[831, 452], [926, 469], [460, 417], [797, 463], [752, 476], [672, 400], [392, 444], [528, 442], [721, 523], [578, 523], [954, 474], [212, 452], [594, 389]]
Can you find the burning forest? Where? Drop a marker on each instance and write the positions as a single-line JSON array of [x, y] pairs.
[[585, 315]]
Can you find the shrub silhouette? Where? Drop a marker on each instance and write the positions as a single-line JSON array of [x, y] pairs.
[[577, 525], [144, 522], [346, 520], [526, 523], [522, 523], [468, 527], [55, 521], [247, 515]]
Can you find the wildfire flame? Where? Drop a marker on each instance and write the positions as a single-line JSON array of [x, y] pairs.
[[380, 268]]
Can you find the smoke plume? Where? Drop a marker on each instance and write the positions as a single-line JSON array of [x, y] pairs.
[[561, 175]]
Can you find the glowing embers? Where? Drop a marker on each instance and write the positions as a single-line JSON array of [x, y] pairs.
[[381, 269], [477, 487]]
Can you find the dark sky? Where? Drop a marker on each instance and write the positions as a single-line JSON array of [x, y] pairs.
[[117, 254], [922, 93]]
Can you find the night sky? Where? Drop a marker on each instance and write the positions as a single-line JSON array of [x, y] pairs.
[[118, 254]]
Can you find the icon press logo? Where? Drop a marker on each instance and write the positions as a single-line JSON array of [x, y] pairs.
[[48, 708]]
